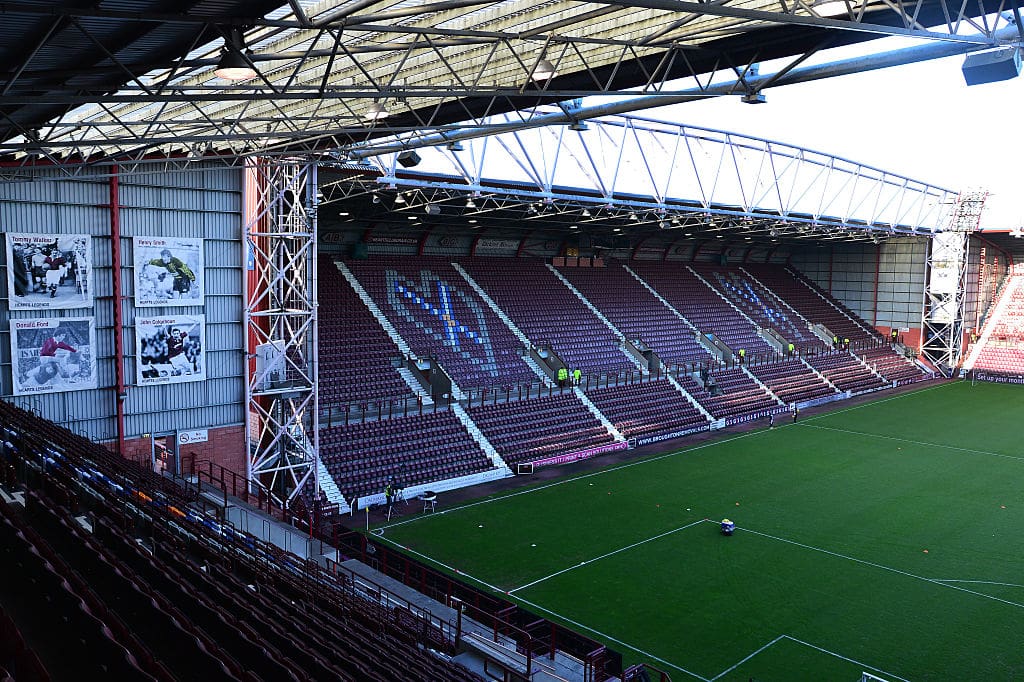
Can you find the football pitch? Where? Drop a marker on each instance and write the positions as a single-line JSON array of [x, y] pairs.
[[886, 537]]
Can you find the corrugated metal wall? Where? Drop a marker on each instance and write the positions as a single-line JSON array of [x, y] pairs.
[[203, 202], [848, 272]]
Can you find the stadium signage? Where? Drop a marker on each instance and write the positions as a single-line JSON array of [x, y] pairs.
[[580, 454], [497, 245], [669, 436], [997, 379], [393, 240], [196, 436]]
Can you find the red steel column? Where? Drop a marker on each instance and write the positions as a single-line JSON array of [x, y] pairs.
[[115, 259]]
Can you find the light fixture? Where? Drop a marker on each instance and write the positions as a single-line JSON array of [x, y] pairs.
[[376, 112], [455, 146], [579, 126], [470, 203], [472, 221], [543, 70], [432, 209], [632, 216], [753, 98], [233, 65], [376, 198], [586, 213], [399, 199]]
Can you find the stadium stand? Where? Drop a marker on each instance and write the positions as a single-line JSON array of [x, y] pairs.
[[551, 315], [648, 408], [533, 429], [1002, 352], [637, 313], [417, 449], [440, 316], [762, 306], [894, 368], [145, 586], [791, 380], [814, 304], [846, 371], [357, 355], [738, 397], [702, 306]]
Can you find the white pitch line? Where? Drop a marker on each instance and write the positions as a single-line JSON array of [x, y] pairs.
[[876, 402], [845, 658], [608, 637], [977, 582], [454, 570], [581, 477], [656, 458], [605, 556], [883, 567], [736, 665], [914, 442]]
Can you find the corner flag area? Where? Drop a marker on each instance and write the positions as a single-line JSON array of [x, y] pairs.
[[884, 538]]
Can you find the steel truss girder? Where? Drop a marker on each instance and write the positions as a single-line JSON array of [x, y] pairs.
[[282, 415], [316, 82], [667, 170]]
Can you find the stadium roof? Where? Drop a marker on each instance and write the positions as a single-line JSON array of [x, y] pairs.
[[129, 77]]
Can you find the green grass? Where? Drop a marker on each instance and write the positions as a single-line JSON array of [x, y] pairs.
[[827, 573]]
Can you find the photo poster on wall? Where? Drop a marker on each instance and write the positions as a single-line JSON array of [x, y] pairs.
[[170, 349], [53, 355], [168, 271], [49, 271]]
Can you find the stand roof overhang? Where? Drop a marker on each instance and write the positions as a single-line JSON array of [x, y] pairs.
[[130, 77]]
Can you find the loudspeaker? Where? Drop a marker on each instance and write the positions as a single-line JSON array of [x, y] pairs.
[[992, 66], [409, 158]]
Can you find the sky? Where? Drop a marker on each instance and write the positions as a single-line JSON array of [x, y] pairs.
[[918, 120]]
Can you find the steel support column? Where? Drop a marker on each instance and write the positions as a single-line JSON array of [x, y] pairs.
[[281, 321]]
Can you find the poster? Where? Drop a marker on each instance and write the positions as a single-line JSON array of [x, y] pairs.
[[53, 355], [170, 349], [168, 271], [49, 271]]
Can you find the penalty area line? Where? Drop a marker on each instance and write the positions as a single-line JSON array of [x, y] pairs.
[[605, 556], [883, 567], [744, 660], [846, 658], [608, 637]]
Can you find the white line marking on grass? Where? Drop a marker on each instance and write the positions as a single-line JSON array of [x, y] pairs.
[[915, 442], [881, 566], [454, 570], [736, 665], [581, 626], [605, 556], [876, 402], [850, 660], [582, 477], [977, 582], [648, 460]]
